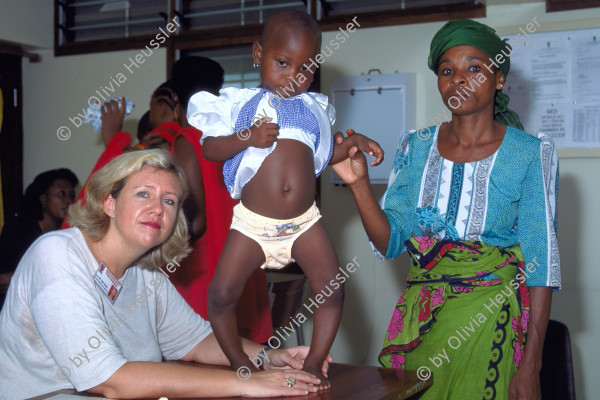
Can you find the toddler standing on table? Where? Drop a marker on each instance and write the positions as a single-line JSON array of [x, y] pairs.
[[276, 139]]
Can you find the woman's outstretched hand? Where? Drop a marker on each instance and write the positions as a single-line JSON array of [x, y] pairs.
[[353, 165]]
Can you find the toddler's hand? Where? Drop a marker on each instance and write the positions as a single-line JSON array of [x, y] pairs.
[[263, 134], [353, 166], [368, 146]]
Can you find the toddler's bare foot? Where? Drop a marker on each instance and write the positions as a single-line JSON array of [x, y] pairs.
[[316, 371]]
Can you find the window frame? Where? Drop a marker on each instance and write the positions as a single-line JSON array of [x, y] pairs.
[[565, 5], [200, 39]]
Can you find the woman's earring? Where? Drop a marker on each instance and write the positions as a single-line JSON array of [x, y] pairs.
[[501, 86], [256, 65]]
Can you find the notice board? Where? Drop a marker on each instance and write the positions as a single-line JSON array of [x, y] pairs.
[[380, 106], [554, 86]]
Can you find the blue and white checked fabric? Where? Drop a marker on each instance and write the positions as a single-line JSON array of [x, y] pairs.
[[306, 117]]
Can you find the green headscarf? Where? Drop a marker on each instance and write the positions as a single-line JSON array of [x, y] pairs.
[[472, 33]]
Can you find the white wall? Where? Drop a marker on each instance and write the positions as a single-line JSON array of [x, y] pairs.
[[373, 291], [58, 87], [28, 22]]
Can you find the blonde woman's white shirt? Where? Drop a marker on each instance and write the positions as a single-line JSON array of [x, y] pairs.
[[60, 331]]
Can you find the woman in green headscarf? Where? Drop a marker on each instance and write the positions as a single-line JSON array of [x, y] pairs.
[[473, 202]]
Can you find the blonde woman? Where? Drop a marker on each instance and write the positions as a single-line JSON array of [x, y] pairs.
[[88, 309]]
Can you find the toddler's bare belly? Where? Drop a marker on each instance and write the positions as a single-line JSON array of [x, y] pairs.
[[284, 185]]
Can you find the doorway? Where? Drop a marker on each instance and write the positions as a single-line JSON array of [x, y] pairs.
[[11, 134]]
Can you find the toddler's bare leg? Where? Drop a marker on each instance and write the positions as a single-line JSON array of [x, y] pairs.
[[315, 254], [240, 257]]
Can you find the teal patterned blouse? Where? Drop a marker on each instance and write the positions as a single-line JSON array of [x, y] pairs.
[[505, 199]]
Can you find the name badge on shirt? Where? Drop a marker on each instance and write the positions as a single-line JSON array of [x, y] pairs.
[[107, 282]]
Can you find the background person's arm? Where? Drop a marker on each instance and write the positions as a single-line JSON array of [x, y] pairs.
[[112, 112], [194, 205]]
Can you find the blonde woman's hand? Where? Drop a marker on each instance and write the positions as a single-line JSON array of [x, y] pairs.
[[275, 383]]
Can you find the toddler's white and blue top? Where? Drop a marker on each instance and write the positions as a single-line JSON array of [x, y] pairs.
[[306, 117]]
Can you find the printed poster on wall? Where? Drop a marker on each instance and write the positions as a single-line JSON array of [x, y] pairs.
[[554, 85]]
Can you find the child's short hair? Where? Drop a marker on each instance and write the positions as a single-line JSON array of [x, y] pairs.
[[293, 19]]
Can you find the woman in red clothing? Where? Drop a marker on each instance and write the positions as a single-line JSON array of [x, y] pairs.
[[209, 209], [117, 142]]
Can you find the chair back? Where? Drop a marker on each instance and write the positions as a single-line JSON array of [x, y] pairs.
[[556, 377]]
